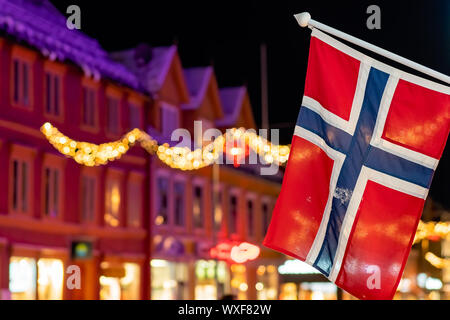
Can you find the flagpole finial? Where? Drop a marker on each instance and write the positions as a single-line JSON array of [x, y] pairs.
[[303, 18]]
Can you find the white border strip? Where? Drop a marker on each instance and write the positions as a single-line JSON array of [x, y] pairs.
[[338, 158], [379, 142], [336, 121], [379, 65], [365, 175]]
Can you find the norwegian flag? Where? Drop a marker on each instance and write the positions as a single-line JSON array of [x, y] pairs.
[[367, 142]]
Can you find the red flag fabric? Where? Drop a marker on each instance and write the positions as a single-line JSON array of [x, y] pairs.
[[367, 142]]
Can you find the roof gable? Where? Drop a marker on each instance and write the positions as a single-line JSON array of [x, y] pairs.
[[41, 25], [237, 108], [202, 86]]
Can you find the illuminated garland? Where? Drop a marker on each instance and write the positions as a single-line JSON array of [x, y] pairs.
[[437, 262], [90, 154], [432, 230]]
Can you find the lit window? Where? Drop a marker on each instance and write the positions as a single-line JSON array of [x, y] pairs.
[[50, 279], [163, 201], [233, 214], [135, 116], [52, 94], [89, 107], [22, 278], [113, 115], [198, 207], [179, 189], [52, 192], [250, 218], [169, 119], [218, 212], [112, 203], [21, 85], [134, 204], [88, 196], [265, 218], [20, 192]]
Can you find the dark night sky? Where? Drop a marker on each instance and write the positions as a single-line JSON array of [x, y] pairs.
[[228, 33]]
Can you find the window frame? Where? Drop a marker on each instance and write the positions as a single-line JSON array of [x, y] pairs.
[[139, 178], [265, 200], [90, 172], [22, 154], [234, 192], [161, 173], [53, 163], [138, 105], [251, 197], [199, 182], [89, 84], [24, 57], [175, 110], [113, 93], [54, 70], [114, 176], [179, 178]]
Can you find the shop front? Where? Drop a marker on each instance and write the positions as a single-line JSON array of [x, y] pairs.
[[169, 280], [36, 278], [266, 282], [300, 281], [120, 280], [212, 279]]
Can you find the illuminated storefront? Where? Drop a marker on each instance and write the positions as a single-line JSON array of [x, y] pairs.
[[169, 280], [22, 278], [239, 285], [120, 281], [212, 279], [303, 282], [30, 280], [50, 279], [267, 282]]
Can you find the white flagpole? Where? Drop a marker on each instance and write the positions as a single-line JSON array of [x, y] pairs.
[[304, 19]]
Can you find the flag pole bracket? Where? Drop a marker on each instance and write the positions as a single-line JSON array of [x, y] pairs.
[[304, 20]]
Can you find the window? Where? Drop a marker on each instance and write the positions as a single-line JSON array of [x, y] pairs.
[[218, 212], [135, 116], [162, 201], [134, 203], [233, 214], [89, 107], [250, 218], [179, 205], [265, 218], [88, 196], [52, 192], [198, 209], [113, 115], [21, 82], [52, 94], [112, 202], [169, 119], [20, 188]]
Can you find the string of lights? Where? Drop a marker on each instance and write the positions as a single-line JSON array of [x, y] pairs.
[[236, 142], [433, 231]]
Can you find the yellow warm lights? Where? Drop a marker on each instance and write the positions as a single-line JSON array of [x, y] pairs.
[[183, 158], [428, 230], [437, 262]]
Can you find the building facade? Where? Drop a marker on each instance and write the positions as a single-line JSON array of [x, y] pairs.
[[134, 228], [55, 213]]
